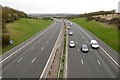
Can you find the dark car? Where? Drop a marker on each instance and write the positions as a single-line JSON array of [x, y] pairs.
[[84, 48]]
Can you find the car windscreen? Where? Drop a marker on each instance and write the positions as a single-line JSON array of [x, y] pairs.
[[85, 47], [95, 43]]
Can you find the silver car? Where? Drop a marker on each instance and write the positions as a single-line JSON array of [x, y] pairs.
[[72, 44], [70, 33]]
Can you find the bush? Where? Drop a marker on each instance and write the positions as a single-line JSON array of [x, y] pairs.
[[5, 39], [115, 21]]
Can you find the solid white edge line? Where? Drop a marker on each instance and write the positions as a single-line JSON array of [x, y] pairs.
[[24, 45], [66, 58], [20, 59], [41, 76], [101, 48], [98, 62], [110, 57], [33, 60]]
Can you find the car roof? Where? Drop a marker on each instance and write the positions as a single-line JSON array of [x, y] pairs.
[[93, 41], [84, 45], [71, 41]]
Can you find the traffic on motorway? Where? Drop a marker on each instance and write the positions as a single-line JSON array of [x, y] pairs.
[[97, 63], [85, 47]]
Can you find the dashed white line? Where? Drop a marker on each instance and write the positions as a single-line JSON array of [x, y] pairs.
[[49, 59], [78, 49], [90, 49], [39, 41], [20, 59], [82, 61], [32, 48], [23, 46], [47, 41], [98, 62], [42, 48], [0, 77], [33, 60], [101, 48]]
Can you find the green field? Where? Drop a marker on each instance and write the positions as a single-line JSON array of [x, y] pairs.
[[108, 33], [23, 29]]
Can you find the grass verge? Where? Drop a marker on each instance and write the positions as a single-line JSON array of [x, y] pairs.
[[23, 29], [108, 33]]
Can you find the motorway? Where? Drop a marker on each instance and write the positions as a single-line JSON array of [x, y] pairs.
[[97, 63], [29, 58]]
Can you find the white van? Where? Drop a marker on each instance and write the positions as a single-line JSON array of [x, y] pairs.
[[94, 44]]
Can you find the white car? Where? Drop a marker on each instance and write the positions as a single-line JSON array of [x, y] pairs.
[[70, 33], [72, 44], [94, 44]]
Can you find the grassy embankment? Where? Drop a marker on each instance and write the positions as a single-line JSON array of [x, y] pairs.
[[23, 29], [108, 33]]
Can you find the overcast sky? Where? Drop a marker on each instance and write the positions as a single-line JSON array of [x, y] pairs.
[[61, 6]]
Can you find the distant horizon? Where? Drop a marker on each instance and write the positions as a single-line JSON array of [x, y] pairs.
[[59, 13], [61, 6]]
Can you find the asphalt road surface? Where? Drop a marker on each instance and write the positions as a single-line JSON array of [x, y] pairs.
[[97, 63], [29, 58]]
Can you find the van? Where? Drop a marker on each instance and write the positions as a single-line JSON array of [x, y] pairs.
[[94, 44]]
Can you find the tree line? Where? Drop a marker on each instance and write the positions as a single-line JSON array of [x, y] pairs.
[[90, 16], [113, 21], [9, 15]]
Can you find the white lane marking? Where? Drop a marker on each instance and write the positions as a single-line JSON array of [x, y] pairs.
[[82, 61], [66, 57], [90, 49], [98, 62], [23, 46], [42, 48], [39, 41], [47, 41], [32, 48], [0, 77], [101, 48], [33, 60], [49, 57], [20, 59], [78, 49], [110, 57]]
